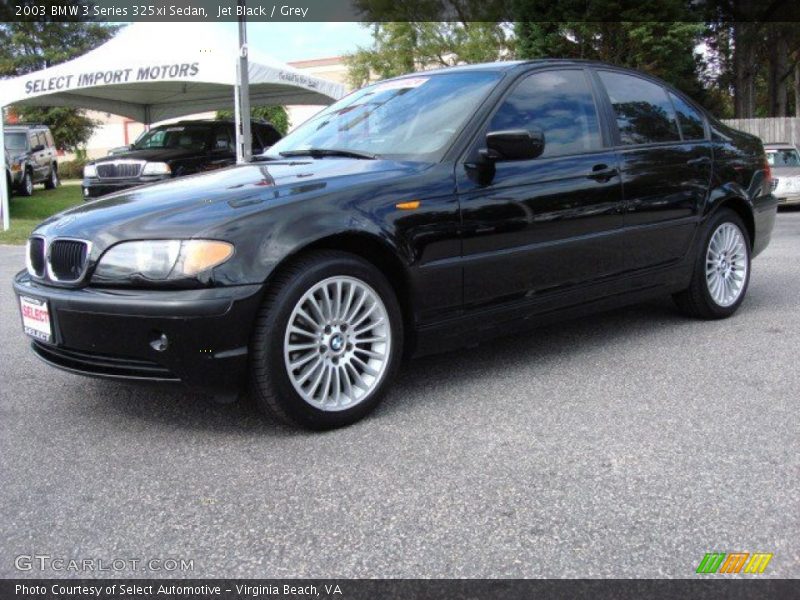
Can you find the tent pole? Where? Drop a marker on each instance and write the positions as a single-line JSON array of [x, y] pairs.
[[4, 191], [242, 95]]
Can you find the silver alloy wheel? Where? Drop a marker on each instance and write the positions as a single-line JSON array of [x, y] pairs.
[[28, 184], [337, 343], [726, 264], [53, 178]]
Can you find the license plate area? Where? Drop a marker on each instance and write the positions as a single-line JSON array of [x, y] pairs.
[[36, 321]]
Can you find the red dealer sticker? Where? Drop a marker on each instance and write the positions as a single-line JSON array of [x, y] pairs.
[[35, 318]]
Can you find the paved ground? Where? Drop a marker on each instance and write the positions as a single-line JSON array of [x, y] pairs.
[[625, 445]]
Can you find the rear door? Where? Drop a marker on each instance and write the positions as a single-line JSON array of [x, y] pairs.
[[665, 166], [41, 160], [550, 223], [50, 145]]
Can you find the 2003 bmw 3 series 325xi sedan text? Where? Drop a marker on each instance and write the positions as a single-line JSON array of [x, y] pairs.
[[414, 215]]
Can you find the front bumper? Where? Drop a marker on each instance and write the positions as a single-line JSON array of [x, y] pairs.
[[112, 333], [94, 187], [14, 176], [788, 199]]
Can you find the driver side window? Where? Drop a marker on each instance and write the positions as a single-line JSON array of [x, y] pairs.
[[560, 103]]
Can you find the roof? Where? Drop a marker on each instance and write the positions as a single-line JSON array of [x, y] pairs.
[[507, 65], [142, 74], [779, 145]]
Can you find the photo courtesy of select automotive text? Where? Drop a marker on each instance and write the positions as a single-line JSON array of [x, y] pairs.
[[414, 299]]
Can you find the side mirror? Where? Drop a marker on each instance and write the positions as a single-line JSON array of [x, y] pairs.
[[37, 148], [514, 144]]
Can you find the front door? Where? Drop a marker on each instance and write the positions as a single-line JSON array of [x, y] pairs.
[[547, 224]]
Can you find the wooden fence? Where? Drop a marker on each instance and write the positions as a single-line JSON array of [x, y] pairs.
[[770, 130]]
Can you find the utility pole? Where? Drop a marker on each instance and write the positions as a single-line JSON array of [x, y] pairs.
[[244, 144]]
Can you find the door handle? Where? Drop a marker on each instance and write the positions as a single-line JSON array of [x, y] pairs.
[[699, 162], [602, 173]]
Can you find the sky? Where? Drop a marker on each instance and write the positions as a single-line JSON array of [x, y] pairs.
[[302, 41], [283, 41]]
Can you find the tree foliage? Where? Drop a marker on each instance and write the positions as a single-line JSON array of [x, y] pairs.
[[277, 115], [26, 47], [402, 47], [736, 57]]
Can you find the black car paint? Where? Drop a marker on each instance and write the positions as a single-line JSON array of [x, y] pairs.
[[544, 239]]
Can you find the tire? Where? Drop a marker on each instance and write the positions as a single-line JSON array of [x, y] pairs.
[[342, 368], [52, 180], [706, 297], [26, 185]]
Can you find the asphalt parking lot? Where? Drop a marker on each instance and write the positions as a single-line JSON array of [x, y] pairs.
[[623, 445]]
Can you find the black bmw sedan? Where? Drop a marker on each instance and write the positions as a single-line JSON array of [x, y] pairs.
[[415, 215]]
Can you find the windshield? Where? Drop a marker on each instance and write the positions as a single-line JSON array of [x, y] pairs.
[[414, 118], [175, 136], [15, 142], [783, 158]]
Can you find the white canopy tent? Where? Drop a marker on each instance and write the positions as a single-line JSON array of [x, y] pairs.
[[151, 72]]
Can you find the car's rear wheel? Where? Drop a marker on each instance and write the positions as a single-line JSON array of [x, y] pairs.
[[721, 271], [327, 342], [52, 181], [26, 185]]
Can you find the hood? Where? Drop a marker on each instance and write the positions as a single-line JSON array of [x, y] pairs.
[[152, 154], [12, 155], [188, 206]]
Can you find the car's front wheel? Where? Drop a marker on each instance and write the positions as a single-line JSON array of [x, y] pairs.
[[327, 342], [721, 270]]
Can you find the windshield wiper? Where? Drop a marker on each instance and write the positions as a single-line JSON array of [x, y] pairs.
[[320, 152]]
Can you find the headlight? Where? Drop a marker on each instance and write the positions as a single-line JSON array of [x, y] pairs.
[[16, 165], [156, 168], [160, 260], [90, 171]]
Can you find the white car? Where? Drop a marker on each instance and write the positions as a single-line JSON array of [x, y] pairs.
[[784, 160]]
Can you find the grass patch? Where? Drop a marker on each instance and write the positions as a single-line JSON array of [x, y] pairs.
[[27, 213]]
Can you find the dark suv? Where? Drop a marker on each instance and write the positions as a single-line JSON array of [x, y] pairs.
[[30, 158], [171, 151], [417, 214]]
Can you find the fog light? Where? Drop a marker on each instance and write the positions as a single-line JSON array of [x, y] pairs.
[[161, 343]]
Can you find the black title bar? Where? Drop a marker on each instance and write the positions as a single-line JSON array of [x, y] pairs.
[[393, 10], [388, 589]]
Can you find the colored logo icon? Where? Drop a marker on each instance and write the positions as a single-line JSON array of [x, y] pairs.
[[734, 562]]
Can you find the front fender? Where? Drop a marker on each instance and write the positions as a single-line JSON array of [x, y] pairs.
[[265, 240]]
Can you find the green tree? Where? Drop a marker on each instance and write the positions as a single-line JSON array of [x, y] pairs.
[[403, 47], [276, 115], [26, 47], [657, 38]]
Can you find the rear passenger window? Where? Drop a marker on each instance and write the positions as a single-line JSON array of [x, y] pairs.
[[49, 138], [690, 120], [644, 113], [560, 103]]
